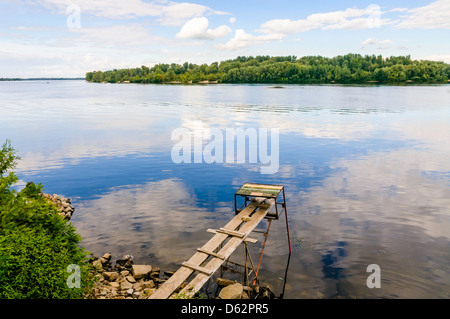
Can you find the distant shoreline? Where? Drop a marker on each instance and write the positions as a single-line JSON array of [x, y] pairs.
[[343, 69], [278, 85], [274, 84], [39, 79]]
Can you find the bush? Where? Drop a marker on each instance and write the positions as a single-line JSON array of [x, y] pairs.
[[34, 265], [36, 244]]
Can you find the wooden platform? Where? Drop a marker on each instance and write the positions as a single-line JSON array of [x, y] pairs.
[[208, 259]]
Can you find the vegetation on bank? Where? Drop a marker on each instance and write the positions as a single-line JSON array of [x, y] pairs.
[[36, 244], [38, 79], [350, 68]]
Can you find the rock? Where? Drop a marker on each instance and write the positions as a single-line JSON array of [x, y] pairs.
[[140, 271], [256, 289], [107, 256], [110, 275], [148, 284], [154, 275], [156, 269], [125, 285], [130, 291], [65, 209], [136, 294], [233, 291], [130, 279], [126, 261], [148, 292], [267, 293], [224, 282], [159, 281], [98, 265], [114, 284], [137, 286]]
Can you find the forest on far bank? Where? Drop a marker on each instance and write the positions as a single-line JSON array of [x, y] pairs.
[[349, 68]]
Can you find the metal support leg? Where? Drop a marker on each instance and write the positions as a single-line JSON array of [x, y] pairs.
[[266, 234]]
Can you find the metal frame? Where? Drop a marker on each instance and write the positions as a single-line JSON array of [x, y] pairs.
[[247, 199], [269, 217]]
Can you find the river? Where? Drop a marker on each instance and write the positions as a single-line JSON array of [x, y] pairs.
[[366, 171]]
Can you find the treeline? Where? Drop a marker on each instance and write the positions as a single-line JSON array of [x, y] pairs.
[[350, 68], [38, 79]]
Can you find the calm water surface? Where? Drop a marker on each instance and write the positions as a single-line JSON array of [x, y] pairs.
[[366, 171]]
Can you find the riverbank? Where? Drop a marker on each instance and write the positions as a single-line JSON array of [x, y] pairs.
[[123, 279]]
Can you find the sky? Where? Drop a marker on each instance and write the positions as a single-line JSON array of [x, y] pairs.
[[67, 38]]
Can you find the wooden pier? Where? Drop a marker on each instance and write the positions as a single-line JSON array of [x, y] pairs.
[[259, 199]]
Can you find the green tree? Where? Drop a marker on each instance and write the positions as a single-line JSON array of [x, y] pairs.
[[8, 157], [36, 243]]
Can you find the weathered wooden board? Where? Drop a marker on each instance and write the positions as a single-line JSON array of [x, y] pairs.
[[182, 274], [249, 189], [226, 251]]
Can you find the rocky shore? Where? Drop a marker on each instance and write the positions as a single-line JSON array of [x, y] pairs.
[[63, 205], [125, 280]]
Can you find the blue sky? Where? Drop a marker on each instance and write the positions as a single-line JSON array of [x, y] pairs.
[[67, 38]]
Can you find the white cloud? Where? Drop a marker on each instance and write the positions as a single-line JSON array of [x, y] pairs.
[[398, 10], [197, 28], [168, 12], [436, 15], [159, 233], [350, 18], [382, 44], [277, 29], [242, 39]]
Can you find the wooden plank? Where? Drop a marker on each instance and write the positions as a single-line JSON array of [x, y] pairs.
[[210, 253], [183, 273], [250, 191], [246, 239], [227, 250], [203, 270], [263, 186], [231, 232]]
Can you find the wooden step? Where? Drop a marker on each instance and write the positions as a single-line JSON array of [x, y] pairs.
[[246, 239], [201, 250], [231, 232], [203, 270]]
